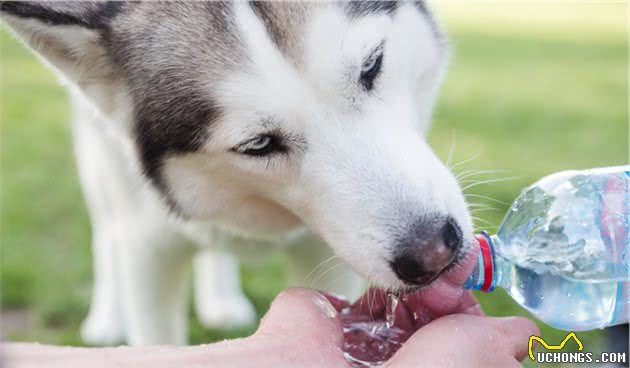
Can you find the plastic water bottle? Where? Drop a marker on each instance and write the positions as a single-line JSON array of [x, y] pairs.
[[563, 250]]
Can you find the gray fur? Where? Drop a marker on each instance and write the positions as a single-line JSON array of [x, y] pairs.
[[171, 53], [89, 14], [285, 24], [356, 9]]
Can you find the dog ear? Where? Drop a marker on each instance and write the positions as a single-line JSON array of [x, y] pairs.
[[71, 35]]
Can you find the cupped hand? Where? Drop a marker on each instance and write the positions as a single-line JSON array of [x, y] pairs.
[[306, 327]]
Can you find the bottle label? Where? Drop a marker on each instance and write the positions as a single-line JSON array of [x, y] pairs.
[[615, 224], [615, 217]]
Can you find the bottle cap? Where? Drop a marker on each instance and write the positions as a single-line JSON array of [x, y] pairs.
[[486, 252]]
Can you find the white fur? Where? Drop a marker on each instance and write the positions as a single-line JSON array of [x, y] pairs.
[[366, 157]]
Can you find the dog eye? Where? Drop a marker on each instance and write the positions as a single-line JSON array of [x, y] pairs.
[[370, 70], [261, 146]]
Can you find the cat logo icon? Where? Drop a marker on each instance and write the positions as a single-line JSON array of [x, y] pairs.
[[560, 346]]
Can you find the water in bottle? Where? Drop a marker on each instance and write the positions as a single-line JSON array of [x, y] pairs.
[[563, 250]]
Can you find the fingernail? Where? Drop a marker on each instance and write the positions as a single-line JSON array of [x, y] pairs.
[[324, 305], [507, 319], [337, 301], [474, 310]]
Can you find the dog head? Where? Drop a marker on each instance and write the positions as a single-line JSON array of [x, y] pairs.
[[266, 116]]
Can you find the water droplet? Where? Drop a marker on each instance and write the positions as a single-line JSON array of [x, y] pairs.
[[390, 309]]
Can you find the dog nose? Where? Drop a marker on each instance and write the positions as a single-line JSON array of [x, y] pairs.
[[426, 254]]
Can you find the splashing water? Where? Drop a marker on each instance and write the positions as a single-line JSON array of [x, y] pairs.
[[370, 342], [390, 311]]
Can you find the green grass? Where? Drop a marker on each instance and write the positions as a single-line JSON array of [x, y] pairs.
[[532, 89]]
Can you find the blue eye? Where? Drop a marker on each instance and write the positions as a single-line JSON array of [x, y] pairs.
[[259, 143], [370, 70], [261, 146]]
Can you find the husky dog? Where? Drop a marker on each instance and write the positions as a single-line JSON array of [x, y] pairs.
[[207, 130]]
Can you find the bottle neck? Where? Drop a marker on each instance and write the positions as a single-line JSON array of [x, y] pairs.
[[492, 269]]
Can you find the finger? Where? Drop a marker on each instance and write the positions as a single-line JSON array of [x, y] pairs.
[[469, 305], [516, 332], [464, 340], [302, 311], [456, 341]]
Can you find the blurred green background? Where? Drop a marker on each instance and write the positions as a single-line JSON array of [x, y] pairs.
[[533, 88]]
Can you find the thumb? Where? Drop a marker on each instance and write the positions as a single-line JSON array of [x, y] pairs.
[[516, 332], [302, 314]]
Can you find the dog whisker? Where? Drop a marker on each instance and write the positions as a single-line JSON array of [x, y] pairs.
[[479, 205], [485, 197], [478, 219], [470, 173], [370, 304], [451, 151], [475, 210], [318, 267], [475, 180], [475, 171], [489, 181], [326, 272], [465, 161]]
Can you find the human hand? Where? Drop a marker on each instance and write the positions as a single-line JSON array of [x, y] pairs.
[[465, 340], [305, 328], [447, 334]]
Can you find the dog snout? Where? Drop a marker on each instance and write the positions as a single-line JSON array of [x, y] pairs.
[[431, 248]]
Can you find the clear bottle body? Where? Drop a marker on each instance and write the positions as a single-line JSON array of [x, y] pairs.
[[562, 251]]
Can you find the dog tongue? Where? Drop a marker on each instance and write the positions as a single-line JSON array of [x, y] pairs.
[[446, 295], [377, 324]]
